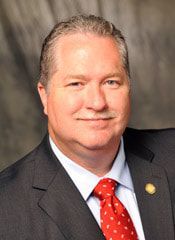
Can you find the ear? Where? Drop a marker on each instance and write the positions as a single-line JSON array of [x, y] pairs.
[[43, 96]]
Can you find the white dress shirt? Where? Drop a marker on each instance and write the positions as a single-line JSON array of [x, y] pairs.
[[86, 181]]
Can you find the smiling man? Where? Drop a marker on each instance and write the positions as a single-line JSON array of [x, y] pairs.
[[91, 81], [91, 177]]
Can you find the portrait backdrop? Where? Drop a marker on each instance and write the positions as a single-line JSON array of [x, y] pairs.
[[149, 30]]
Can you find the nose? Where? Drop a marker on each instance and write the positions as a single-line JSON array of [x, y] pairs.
[[95, 98]]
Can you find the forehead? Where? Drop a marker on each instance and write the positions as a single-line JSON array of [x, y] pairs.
[[84, 35], [76, 40], [86, 46]]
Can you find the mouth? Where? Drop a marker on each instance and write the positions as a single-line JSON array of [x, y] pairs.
[[94, 119], [102, 116], [98, 123]]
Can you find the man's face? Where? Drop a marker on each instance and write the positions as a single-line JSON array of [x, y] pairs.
[[88, 97]]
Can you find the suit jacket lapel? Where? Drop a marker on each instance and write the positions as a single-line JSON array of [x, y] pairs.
[[62, 201], [155, 209]]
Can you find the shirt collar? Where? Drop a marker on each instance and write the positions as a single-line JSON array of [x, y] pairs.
[[85, 180], [120, 170]]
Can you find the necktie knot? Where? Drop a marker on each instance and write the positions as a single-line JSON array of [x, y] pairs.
[[105, 188]]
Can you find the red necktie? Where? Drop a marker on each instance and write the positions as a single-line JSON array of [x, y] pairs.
[[116, 223]]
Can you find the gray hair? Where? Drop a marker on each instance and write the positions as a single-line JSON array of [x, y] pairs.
[[79, 24]]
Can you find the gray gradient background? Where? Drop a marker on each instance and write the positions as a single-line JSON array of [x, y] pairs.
[[149, 28]]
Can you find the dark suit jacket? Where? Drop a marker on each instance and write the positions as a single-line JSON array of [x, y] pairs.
[[39, 201]]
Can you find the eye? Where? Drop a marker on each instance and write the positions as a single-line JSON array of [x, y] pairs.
[[112, 83], [75, 84]]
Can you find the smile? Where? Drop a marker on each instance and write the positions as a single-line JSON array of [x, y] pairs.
[[97, 123], [94, 119]]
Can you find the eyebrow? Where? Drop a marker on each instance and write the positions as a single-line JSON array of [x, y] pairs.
[[111, 75], [83, 77], [75, 76]]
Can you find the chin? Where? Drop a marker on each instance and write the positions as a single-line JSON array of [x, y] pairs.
[[99, 143], [94, 147]]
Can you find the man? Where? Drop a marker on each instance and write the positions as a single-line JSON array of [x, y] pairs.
[[57, 191]]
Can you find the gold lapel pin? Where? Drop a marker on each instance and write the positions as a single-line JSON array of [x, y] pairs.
[[150, 188]]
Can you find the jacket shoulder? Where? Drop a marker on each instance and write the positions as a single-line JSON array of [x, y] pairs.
[[166, 137], [160, 143], [17, 171]]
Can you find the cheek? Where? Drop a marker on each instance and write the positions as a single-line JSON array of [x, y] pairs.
[[64, 104], [73, 103], [119, 102]]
